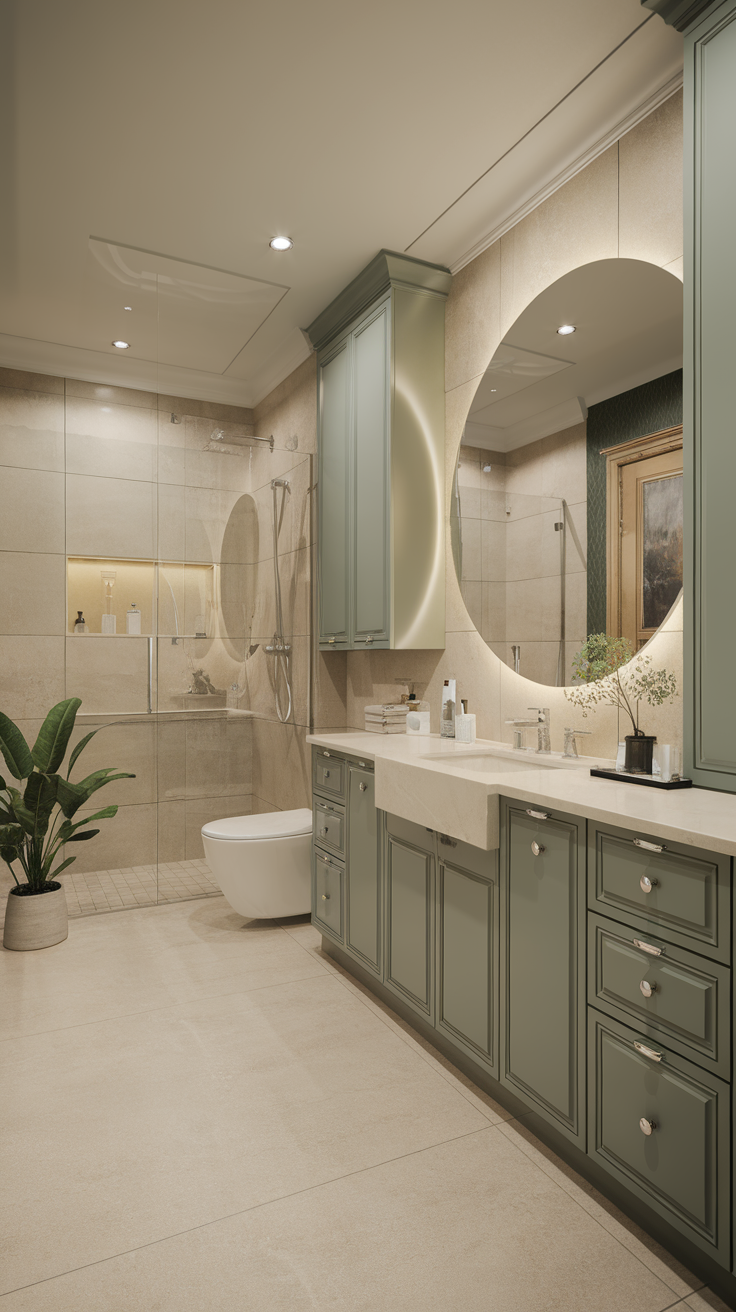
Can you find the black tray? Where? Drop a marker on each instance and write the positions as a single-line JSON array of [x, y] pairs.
[[644, 780]]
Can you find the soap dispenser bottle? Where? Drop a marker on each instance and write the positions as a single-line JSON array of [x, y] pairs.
[[80, 625], [447, 717], [133, 620], [464, 724]]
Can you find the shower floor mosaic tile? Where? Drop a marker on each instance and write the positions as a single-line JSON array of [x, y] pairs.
[[137, 886]]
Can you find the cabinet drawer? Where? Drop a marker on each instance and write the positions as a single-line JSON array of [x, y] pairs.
[[677, 998], [328, 773], [329, 826], [327, 894], [682, 891], [662, 1128]]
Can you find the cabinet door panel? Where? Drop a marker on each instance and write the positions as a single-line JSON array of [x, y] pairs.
[[662, 1127], [467, 926], [544, 964], [409, 924], [362, 934], [334, 524], [370, 498]]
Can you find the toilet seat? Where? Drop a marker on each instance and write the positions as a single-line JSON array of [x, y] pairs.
[[255, 828]]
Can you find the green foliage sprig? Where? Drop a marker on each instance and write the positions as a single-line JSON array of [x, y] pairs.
[[610, 674], [30, 833]]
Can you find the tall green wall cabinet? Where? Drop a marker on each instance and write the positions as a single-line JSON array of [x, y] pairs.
[[708, 412], [381, 436]]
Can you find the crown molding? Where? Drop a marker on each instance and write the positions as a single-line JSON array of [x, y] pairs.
[[680, 14], [388, 269], [647, 107]]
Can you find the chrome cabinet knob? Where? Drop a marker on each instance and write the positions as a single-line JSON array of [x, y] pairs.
[[646, 884], [362, 787], [647, 1127], [326, 774], [325, 897], [647, 988], [322, 832], [537, 848]]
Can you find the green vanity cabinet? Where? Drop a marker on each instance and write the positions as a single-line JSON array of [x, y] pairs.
[[409, 927], [467, 949], [363, 886], [381, 436], [543, 962]]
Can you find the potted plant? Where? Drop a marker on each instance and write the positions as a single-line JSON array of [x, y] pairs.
[[609, 673], [35, 825]]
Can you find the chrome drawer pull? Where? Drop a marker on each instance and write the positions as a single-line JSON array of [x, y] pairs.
[[538, 815], [649, 847], [646, 1126], [647, 989], [648, 947], [362, 787], [646, 884], [647, 1052], [326, 753], [537, 848]]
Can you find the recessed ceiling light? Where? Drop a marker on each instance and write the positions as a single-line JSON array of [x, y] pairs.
[[281, 243], [494, 389], [565, 329], [127, 307], [122, 346]]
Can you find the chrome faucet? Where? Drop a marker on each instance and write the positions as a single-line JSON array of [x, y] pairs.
[[543, 741], [571, 747]]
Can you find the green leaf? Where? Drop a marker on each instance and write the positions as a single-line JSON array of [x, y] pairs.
[[70, 796], [49, 748], [20, 814], [15, 749], [106, 813], [79, 749], [3, 784], [39, 800], [81, 838], [69, 861]]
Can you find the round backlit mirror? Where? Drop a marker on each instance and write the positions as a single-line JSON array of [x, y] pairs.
[[567, 501]]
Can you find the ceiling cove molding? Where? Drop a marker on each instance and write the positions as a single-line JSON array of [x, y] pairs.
[[678, 13], [626, 124], [388, 269]]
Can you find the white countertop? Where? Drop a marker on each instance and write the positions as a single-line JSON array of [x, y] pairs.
[[460, 797]]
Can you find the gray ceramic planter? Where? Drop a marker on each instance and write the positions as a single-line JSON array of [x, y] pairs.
[[35, 922]]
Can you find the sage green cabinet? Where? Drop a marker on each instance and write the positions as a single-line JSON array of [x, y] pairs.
[[661, 1126], [709, 449], [467, 949], [334, 485], [363, 885], [543, 963], [381, 439], [328, 878], [409, 933]]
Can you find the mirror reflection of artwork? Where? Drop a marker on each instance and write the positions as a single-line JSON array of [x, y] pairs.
[[661, 548]]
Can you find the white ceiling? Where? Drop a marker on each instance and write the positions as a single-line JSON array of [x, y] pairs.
[[198, 132], [628, 329]]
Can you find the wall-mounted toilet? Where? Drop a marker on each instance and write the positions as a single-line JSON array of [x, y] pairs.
[[262, 862]]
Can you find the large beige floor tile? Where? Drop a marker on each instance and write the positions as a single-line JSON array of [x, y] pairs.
[[469, 1225], [705, 1301], [637, 1241], [179, 1116], [145, 960]]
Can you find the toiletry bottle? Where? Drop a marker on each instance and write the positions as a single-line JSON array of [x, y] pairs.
[[80, 626], [133, 620], [447, 718], [464, 724]]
